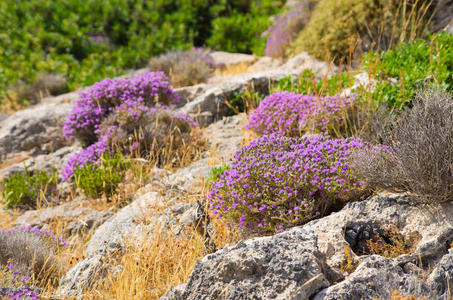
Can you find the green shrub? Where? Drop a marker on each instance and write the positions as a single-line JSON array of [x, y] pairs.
[[338, 28], [24, 189], [86, 41], [413, 65], [215, 172], [103, 178], [307, 84]]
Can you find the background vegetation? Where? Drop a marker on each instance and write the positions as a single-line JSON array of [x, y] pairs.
[[87, 41]]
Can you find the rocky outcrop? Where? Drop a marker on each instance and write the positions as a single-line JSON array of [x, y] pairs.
[[212, 100], [36, 130], [77, 217], [284, 266], [150, 210], [335, 241]]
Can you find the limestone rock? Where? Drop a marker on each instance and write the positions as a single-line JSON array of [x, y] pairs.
[[79, 218], [213, 98], [376, 277], [284, 266], [82, 276], [441, 279], [133, 222], [37, 129]]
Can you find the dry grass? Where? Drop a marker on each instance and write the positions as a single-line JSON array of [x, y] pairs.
[[148, 269], [392, 243], [233, 69], [11, 103], [396, 295]]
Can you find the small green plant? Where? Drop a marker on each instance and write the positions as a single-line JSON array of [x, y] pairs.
[[245, 101], [411, 66], [308, 84], [24, 189], [215, 172], [101, 178]]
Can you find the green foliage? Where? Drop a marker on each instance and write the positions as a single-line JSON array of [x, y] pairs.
[[245, 101], [413, 65], [103, 178], [215, 172], [25, 188], [86, 41], [307, 84]]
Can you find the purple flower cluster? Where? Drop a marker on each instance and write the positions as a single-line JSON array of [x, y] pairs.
[[293, 114], [117, 106], [277, 182], [45, 234], [113, 96], [18, 284], [285, 28]]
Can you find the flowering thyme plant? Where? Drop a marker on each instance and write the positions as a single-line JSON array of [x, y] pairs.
[[292, 114], [122, 115], [111, 96], [277, 182]]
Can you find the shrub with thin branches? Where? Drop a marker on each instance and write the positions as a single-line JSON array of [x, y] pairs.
[[422, 158], [185, 67]]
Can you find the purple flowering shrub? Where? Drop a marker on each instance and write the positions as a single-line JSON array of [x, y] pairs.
[[277, 182], [28, 254], [286, 27], [185, 67], [126, 116], [111, 96], [14, 285], [293, 114]]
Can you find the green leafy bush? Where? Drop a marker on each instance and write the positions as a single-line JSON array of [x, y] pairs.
[[308, 84], [86, 41], [24, 189], [239, 33], [215, 172], [413, 65], [101, 178]]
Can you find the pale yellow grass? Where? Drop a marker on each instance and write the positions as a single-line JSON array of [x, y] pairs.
[[234, 69]]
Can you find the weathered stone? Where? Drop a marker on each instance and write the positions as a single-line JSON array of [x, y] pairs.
[[441, 279], [376, 277], [189, 93], [79, 218], [134, 222], [37, 129], [82, 276], [175, 293], [284, 266], [213, 99], [443, 14]]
